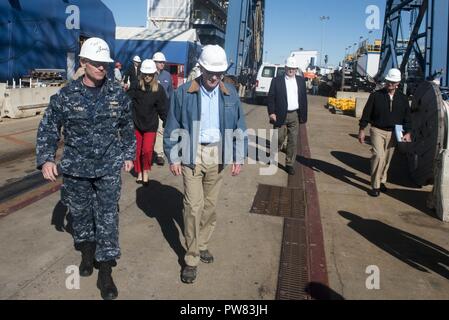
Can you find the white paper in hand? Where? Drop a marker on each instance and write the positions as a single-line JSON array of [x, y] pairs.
[[399, 130]]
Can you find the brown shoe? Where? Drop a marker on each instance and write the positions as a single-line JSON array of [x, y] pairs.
[[206, 257], [160, 161], [290, 170], [189, 274]]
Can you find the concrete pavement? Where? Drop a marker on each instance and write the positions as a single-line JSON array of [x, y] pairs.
[[394, 233], [246, 247]]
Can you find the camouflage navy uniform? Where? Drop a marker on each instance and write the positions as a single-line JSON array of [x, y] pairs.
[[98, 137]]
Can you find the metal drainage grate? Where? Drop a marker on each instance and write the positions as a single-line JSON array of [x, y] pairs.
[[293, 269], [279, 202]]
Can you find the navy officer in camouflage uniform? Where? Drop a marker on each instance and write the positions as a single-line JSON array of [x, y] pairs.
[[98, 142]]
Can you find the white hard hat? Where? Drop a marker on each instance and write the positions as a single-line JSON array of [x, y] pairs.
[[291, 63], [394, 75], [137, 59], [148, 67], [213, 59], [159, 57], [96, 49]]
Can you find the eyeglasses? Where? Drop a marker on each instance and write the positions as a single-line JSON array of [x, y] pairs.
[[161, 62], [98, 64], [211, 74], [393, 83], [147, 75]]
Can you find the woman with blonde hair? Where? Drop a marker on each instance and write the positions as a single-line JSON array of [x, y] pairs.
[[149, 102]]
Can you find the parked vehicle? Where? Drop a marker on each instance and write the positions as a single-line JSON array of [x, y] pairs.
[[263, 81]]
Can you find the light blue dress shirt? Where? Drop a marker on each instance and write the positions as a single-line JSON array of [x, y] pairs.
[[210, 116]]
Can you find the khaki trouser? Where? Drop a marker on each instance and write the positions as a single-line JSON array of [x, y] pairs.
[[201, 188], [290, 131], [159, 145], [383, 145], [242, 91]]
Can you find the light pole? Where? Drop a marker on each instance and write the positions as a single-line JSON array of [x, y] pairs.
[[323, 19], [369, 36], [343, 70]]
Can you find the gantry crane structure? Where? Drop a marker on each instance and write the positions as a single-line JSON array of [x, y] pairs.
[[415, 40]]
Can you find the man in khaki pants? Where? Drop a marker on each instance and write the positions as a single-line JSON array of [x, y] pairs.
[[384, 110], [205, 130], [166, 82]]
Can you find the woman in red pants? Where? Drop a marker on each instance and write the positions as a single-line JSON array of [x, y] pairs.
[[149, 102]]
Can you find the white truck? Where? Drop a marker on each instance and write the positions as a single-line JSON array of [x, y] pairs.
[[305, 58], [265, 74]]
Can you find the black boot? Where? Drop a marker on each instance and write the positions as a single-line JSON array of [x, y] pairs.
[[105, 282], [87, 258]]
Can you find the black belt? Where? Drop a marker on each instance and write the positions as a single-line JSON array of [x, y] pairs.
[[293, 111], [389, 129]]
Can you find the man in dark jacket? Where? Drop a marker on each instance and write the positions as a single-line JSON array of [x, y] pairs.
[[166, 82], [287, 107], [384, 110], [131, 76]]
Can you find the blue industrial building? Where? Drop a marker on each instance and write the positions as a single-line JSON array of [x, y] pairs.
[[47, 34], [180, 48]]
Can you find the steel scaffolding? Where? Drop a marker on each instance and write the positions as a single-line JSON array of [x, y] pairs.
[[415, 39]]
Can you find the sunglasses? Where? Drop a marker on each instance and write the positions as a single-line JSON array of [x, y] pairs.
[[97, 64], [211, 74]]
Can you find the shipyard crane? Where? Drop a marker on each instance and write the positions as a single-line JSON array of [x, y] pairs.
[[245, 35]]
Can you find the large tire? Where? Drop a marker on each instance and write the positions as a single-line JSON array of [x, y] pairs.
[[428, 132]]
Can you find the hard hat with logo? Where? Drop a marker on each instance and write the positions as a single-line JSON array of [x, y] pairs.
[[148, 67], [394, 75], [137, 59], [213, 59], [159, 57], [291, 63], [96, 49]]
